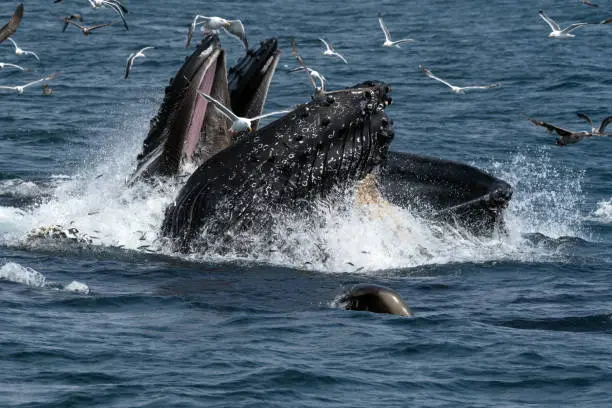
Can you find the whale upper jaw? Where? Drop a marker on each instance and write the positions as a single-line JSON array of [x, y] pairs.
[[188, 129]]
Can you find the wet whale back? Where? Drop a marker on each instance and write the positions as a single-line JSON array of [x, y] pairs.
[[326, 143]]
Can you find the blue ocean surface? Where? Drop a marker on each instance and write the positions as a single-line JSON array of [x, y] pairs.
[[516, 319]]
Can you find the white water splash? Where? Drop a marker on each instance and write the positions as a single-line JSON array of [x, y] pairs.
[[547, 197], [77, 287], [13, 272], [603, 213], [98, 203], [19, 188]]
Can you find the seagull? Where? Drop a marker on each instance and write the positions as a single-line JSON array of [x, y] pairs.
[[21, 88], [131, 59], [315, 74], [47, 90], [20, 51], [72, 17], [388, 42], [6, 64], [114, 4], [456, 89], [565, 136], [330, 51], [10, 27], [596, 131], [239, 124], [214, 24], [85, 30], [556, 30], [319, 90]]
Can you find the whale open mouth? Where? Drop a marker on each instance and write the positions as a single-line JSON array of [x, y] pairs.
[[201, 120], [189, 129], [176, 130]]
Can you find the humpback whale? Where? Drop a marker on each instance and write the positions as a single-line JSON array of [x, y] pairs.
[[329, 144]]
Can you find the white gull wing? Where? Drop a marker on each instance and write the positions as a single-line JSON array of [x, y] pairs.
[[573, 27], [586, 118], [265, 115], [220, 107], [143, 50], [7, 64], [236, 28], [193, 26], [14, 43], [384, 27], [402, 41], [480, 86], [326, 45], [432, 76], [553, 25], [128, 66], [604, 124], [340, 56], [119, 11], [31, 53], [50, 77]]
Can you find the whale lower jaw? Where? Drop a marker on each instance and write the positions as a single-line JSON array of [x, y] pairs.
[[445, 190]]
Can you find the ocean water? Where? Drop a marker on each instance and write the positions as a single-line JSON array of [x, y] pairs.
[[520, 319]]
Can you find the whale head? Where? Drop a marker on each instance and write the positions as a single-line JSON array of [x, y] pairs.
[[333, 141]]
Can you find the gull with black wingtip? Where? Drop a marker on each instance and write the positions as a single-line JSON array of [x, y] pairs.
[[131, 58]]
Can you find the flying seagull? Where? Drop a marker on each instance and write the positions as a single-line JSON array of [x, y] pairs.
[[330, 51], [115, 5], [20, 51], [565, 136], [388, 42], [19, 89], [131, 59], [596, 131], [556, 30], [84, 29], [6, 64], [10, 27], [314, 74], [319, 90], [239, 124], [456, 89], [72, 17], [214, 24]]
